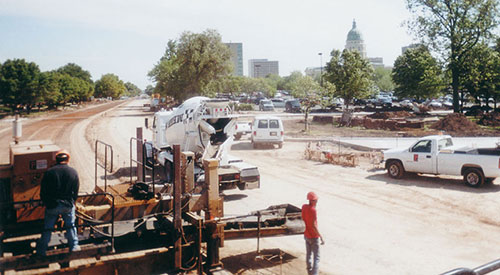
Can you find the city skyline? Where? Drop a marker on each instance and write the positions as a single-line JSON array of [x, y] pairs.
[[128, 38]]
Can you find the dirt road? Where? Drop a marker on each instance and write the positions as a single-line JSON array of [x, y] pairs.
[[372, 224]]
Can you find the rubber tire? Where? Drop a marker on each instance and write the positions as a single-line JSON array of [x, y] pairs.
[[254, 145], [280, 145], [395, 169], [237, 137], [473, 177]]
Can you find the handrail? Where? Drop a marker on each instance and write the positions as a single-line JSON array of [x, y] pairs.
[[480, 270], [97, 163], [143, 164]]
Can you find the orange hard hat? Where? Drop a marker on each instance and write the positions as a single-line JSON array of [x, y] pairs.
[[312, 196], [62, 156]]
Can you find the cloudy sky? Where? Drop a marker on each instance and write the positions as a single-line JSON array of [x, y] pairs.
[[128, 37]]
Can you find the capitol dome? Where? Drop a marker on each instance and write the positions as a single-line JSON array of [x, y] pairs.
[[354, 33], [355, 40]]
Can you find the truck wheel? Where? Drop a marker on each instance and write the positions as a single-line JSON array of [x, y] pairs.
[[473, 177], [395, 169], [280, 145], [237, 137], [254, 145]]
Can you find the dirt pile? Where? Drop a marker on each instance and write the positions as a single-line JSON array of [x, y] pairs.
[[458, 125], [387, 115], [490, 119]]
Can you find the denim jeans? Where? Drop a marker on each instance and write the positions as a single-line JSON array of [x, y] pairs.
[[51, 216], [312, 255]]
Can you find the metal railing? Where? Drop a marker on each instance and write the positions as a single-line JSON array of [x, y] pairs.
[[480, 270], [107, 148], [143, 164]]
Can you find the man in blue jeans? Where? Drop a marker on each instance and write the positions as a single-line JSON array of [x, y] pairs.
[[311, 234], [59, 191]]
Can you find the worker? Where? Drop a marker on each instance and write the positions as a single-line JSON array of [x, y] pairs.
[[311, 234], [59, 191]]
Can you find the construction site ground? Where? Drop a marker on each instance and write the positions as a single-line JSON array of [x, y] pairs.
[[372, 224]]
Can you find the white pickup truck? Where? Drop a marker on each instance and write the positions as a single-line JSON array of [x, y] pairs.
[[437, 155]]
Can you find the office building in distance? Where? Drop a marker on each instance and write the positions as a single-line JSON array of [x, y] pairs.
[[259, 68], [236, 57]]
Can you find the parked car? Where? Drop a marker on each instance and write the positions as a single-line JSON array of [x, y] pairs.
[[292, 106], [434, 104], [278, 102], [267, 130], [266, 105], [406, 103]]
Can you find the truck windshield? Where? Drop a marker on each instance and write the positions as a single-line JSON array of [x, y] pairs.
[[423, 146]]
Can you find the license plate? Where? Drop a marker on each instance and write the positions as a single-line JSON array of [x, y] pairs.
[[273, 133]]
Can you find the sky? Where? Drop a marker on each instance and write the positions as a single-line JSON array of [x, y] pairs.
[[127, 38]]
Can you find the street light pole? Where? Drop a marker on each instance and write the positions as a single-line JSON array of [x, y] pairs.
[[321, 69]]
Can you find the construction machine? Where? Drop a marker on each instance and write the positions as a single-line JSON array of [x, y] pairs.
[[171, 229], [206, 127]]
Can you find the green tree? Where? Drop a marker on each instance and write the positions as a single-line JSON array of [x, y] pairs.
[[190, 64], [75, 71], [350, 74], [453, 27], [482, 73], [19, 84], [132, 89], [109, 86], [417, 74], [310, 94], [149, 90], [49, 86], [382, 78]]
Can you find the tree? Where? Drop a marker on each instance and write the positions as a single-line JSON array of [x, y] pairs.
[[75, 71], [149, 90], [109, 86], [382, 78], [190, 64], [310, 94], [417, 74], [350, 74], [132, 89], [50, 89], [453, 28], [19, 83], [481, 77]]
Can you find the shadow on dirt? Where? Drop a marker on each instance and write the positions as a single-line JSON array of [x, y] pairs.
[[246, 146], [431, 181], [233, 197], [253, 261]]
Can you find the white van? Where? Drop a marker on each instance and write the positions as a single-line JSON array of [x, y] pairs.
[[267, 130]]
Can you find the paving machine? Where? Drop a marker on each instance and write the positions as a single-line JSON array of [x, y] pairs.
[[129, 228]]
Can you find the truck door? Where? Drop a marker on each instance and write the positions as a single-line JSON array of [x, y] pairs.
[[421, 158]]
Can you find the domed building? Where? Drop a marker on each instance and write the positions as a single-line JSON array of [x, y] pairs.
[[355, 40]]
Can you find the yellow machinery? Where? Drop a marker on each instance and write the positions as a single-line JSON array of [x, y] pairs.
[[184, 228]]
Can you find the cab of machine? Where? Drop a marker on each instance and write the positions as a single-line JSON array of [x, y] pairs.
[[267, 130]]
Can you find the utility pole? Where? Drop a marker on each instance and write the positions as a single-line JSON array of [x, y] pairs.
[[321, 69]]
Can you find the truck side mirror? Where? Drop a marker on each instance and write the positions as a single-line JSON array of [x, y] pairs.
[[146, 123]]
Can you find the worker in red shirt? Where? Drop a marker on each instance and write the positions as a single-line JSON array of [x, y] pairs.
[[311, 234]]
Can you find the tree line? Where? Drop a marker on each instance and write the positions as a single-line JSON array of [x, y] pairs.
[[24, 87]]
